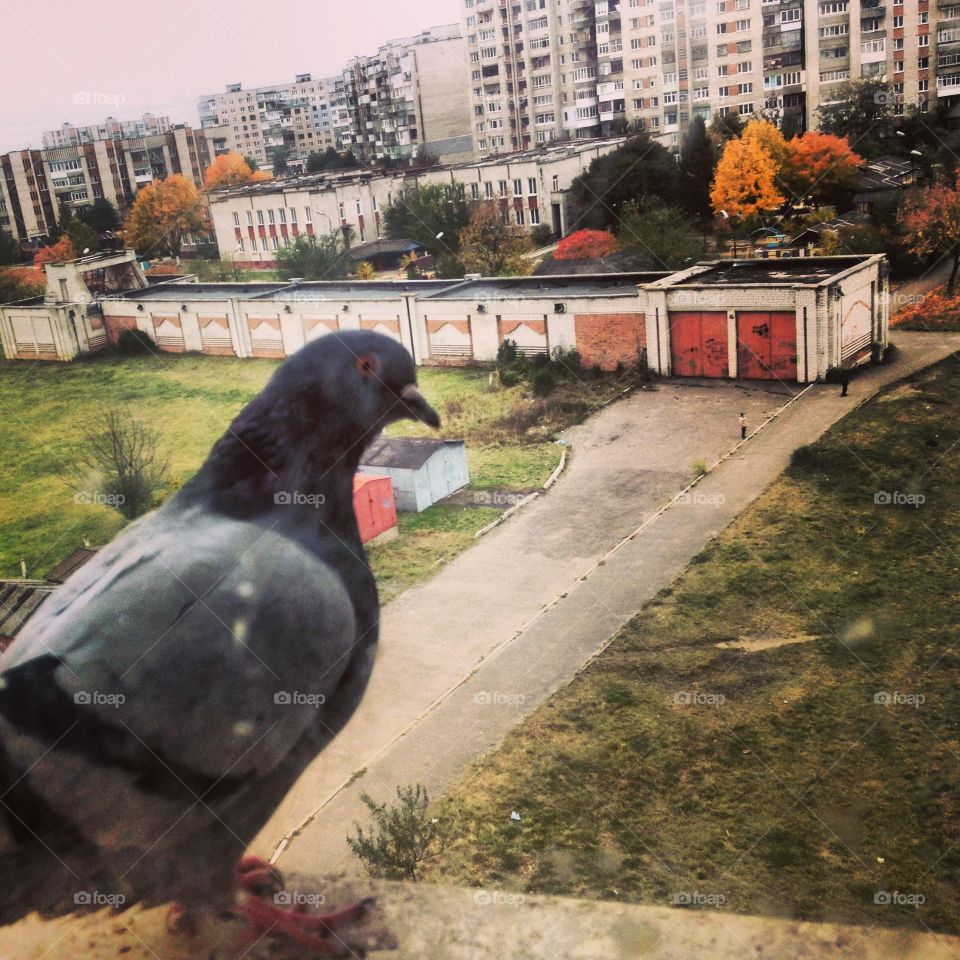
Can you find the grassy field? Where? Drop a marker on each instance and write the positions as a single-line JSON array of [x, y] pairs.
[[815, 779], [191, 399]]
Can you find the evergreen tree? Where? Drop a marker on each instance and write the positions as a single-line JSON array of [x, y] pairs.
[[698, 161]]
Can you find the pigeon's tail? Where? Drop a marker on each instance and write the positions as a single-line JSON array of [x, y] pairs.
[[45, 863]]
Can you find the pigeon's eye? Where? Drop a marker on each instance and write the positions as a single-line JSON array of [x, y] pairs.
[[368, 365]]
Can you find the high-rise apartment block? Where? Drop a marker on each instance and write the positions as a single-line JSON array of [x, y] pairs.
[[69, 135], [543, 70], [35, 185], [406, 99], [291, 117]]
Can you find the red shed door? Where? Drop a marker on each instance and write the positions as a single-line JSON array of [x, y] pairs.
[[767, 346], [698, 344]]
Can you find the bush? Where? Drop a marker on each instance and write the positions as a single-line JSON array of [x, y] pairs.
[[510, 377], [544, 382], [567, 363], [135, 342], [542, 235], [402, 836], [934, 312]]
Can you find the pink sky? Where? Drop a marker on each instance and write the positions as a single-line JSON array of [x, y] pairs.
[[81, 62]]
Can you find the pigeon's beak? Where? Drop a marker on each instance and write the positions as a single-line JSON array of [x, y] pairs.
[[417, 406]]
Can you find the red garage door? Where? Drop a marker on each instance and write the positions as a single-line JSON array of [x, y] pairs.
[[698, 344], [767, 346]]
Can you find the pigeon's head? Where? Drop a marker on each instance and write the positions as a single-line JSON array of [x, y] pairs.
[[363, 379]]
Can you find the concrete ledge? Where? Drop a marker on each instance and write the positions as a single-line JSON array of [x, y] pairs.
[[424, 922]]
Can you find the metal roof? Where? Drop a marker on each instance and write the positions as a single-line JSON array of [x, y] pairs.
[[781, 271], [587, 285], [71, 564], [18, 600], [403, 453]]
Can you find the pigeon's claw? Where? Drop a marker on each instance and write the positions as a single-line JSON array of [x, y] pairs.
[[258, 876], [311, 930]]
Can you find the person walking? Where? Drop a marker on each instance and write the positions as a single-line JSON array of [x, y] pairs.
[[743, 425], [844, 383]]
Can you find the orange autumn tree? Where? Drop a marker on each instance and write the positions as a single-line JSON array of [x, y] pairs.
[[744, 185], [227, 170], [931, 219], [586, 245], [817, 163], [163, 213], [60, 252], [769, 137]]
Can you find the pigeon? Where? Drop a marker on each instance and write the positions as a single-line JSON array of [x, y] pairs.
[[163, 700]]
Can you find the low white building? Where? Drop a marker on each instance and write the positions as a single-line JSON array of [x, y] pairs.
[[253, 222], [786, 319]]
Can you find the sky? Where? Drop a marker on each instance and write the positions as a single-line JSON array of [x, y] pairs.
[[81, 62]]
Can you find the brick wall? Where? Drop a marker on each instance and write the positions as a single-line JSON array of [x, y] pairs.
[[606, 339], [116, 325]]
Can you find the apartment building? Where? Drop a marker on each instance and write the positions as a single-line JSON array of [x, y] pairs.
[[405, 99], [543, 70], [293, 117], [69, 135], [36, 184]]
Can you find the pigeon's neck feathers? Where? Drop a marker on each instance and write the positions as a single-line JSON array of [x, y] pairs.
[[274, 453]]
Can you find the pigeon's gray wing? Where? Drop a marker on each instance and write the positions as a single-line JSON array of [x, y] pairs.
[[204, 648]]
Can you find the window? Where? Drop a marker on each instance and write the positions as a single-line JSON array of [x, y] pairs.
[[260, 218], [236, 219], [293, 215], [555, 183], [518, 213], [271, 217], [249, 218], [532, 186], [518, 188], [307, 215], [534, 216]]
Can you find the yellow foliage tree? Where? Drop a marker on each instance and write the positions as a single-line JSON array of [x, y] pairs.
[[770, 138], [744, 185], [227, 170], [163, 213]]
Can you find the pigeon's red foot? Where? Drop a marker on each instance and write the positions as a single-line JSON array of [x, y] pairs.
[[258, 876], [311, 930]]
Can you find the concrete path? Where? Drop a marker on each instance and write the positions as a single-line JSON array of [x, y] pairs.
[[468, 654]]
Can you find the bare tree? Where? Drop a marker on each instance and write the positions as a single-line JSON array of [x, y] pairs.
[[124, 454]]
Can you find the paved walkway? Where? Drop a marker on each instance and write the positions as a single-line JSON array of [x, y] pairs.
[[468, 654]]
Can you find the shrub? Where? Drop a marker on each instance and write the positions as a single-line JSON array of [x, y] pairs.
[[510, 377], [544, 382], [700, 468], [933, 312], [542, 235], [586, 245], [401, 836], [135, 342]]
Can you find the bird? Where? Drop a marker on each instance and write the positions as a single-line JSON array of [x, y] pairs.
[[163, 700]]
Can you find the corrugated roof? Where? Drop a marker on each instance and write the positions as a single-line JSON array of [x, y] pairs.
[[403, 453], [18, 600], [70, 564]]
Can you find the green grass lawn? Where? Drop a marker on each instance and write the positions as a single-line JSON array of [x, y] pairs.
[[771, 779], [191, 399]]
